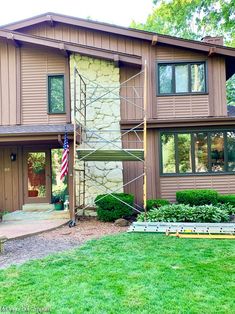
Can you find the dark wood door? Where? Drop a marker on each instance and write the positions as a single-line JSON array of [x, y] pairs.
[[10, 179], [37, 175]]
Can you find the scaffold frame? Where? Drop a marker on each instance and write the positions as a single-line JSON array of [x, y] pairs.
[[83, 134]]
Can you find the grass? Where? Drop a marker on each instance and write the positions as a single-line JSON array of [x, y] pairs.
[[126, 273]]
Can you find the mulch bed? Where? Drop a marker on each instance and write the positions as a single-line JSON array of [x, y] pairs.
[[19, 251]]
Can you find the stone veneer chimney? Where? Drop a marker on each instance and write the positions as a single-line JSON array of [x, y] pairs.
[[217, 40]]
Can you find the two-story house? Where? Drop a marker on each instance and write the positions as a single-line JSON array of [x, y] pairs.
[[190, 137]]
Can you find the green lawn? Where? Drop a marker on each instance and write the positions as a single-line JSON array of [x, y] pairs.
[[127, 273]]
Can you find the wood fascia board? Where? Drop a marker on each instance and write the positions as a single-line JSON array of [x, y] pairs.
[[22, 138], [27, 22], [104, 54], [159, 124], [196, 46], [25, 139], [64, 47], [81, 23]]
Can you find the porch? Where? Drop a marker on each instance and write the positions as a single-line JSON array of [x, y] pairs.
[[30, 160]]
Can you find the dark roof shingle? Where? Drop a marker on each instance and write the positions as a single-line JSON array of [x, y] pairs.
[[34, 129]]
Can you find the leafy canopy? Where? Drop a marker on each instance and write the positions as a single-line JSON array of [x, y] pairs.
[[194, 19]]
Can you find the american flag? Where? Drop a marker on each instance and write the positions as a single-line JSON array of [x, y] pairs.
[[65, 158]]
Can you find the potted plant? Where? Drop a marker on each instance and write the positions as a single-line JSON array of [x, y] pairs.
[[33, 193], [58, 202]]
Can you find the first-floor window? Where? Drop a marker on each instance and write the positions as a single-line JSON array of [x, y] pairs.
[[201, 152], [198, 152], [184, 153], [56, 101], [168, 153], [231, 150]]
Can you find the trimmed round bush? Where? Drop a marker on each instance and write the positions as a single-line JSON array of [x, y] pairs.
[[110, 208], [156, 203], [186, 213], [197, 197]]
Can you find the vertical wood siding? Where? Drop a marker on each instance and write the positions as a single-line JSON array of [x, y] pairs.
[[87, 37], [222, 183], [8, 89], [10, 178], [36, 65], [131, 93], [217, 86], [132, 169]]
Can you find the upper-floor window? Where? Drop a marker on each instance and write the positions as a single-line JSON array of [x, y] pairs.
[[56, 101], [181, 78]]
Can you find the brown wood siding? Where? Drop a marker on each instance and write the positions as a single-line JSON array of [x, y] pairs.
[[182, 106], [132, 92], [167, 53], [87, 37], [132, 169], [131, 97], [222, 183], [36, 65], [10, 178], [217, 86], [8, 89]]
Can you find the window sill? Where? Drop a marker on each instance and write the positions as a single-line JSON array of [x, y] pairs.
[[55, 113], [182, 94], [197, 174]]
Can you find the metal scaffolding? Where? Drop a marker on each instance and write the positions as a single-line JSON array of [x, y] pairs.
[[99, 144]]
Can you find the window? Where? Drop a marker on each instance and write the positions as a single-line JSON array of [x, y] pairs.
[[198, 152], [217, 151], [201, 152], [231, 150], [181, 78], [56, 103], [184, 153], [168, 153]]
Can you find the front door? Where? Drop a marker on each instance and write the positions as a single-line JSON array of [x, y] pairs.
[[37, 176]]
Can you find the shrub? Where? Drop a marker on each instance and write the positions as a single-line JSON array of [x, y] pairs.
[[186, 213], [197, 197], [156, 203], [110, 208], [228, 199]]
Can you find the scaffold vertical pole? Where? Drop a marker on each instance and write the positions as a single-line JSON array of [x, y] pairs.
[[73, 218], [145, 141]]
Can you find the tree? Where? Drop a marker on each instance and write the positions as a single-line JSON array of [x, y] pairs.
[[194, 19]]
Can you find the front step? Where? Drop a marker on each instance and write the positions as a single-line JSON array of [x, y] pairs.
[[37, 207], [86, 213], [20, 215]]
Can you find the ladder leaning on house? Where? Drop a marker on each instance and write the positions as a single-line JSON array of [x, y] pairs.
[[86, 93]]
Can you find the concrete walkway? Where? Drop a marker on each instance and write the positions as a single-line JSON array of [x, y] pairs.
[[21, 224], [20, 229]]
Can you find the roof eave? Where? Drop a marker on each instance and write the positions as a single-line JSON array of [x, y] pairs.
[[119, 30]]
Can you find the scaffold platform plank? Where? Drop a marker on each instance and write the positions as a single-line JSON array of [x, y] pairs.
[[183, 227], [111, 154]]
